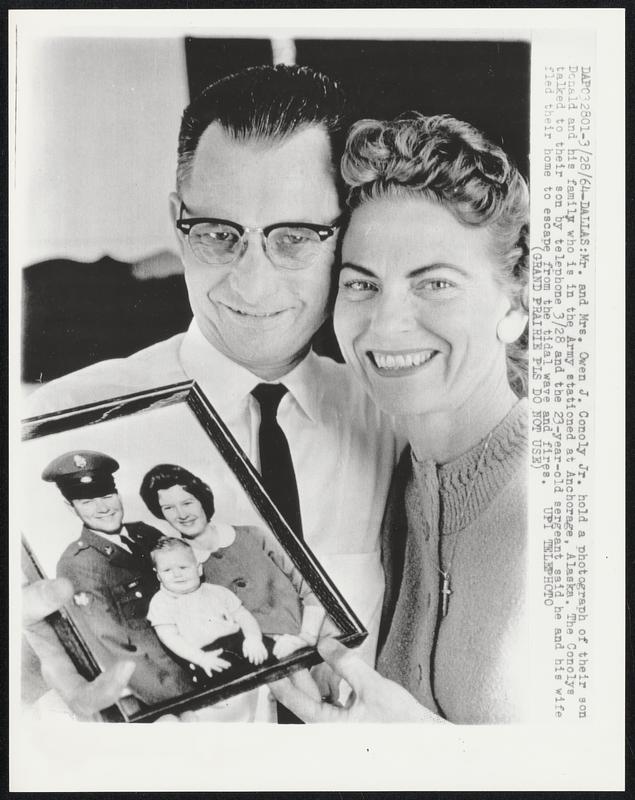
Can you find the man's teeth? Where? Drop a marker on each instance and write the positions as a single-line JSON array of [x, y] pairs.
[[255, 314], [402, 361]]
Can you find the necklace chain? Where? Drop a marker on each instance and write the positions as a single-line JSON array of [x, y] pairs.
[[446, 591]]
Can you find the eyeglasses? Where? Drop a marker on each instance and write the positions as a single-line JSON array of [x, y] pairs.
[[288, 245]]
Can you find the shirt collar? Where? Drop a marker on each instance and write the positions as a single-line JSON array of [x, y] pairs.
[[303, 383], [226, 534], [227, 385], [103, 540]]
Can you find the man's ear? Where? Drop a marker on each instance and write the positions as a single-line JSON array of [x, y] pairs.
[[200, 569], [70, 507], [512, 325], [175, 213]]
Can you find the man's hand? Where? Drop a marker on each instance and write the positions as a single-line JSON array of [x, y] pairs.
[[212, 662], [84, 698], [254, 650], [329, 683], [373, 699], [286, 644]]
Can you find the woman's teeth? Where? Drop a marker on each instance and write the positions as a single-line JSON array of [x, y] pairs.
[[402, 360]]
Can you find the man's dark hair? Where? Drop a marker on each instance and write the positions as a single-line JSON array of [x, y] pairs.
[[266, 102], [165, 476]]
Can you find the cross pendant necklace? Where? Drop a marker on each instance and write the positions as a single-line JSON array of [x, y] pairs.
[[446, 591]]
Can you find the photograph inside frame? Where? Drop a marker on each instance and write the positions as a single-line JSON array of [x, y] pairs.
[[179, 560]]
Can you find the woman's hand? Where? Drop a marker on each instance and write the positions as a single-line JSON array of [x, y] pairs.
[[210, 661], [373, 699], [84, 698], [254, 650]]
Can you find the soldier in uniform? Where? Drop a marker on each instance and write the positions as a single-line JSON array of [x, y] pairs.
[[112, 575]]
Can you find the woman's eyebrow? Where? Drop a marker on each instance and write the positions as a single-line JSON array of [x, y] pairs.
[[369, 273], [415, 273]]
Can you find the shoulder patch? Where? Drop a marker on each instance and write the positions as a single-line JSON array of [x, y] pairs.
[[81, 599]]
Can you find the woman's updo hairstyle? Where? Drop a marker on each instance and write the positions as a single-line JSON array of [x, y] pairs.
[[165, 476], [450, 162]]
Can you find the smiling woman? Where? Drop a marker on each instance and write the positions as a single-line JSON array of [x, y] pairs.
[[420, 304], [431, 303], [240, 558]]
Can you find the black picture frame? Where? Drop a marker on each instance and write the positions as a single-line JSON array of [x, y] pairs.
[[189, 396]]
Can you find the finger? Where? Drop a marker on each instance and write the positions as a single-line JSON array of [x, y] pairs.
[[303, 706], [348, 665], [43, 597], [327, 682], [104, 691], [303, 681]]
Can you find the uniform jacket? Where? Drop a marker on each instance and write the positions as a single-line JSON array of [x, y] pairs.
[[112, 592]]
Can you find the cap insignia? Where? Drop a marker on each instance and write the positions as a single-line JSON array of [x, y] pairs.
[[79, 461]]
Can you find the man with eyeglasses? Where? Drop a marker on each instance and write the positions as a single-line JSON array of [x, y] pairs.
[[257, 215]]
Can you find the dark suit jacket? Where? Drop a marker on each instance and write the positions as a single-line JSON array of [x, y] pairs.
[[112, 592]]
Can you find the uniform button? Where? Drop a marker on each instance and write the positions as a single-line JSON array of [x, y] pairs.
[[194, 679], [192, 666], [241, 583], [138, 594], [80, 543]]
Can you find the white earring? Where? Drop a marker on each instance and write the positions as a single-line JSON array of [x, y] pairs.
[[510, 328]]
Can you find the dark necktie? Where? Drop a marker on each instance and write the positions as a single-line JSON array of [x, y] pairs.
[[276, 465], [137, 552], [278, 475]]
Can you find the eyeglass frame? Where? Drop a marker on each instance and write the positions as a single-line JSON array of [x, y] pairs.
[[186, 224]]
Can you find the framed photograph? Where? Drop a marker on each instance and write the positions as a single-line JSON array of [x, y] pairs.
[[178, 558]]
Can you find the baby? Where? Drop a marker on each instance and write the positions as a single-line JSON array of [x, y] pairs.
[[189, 616]]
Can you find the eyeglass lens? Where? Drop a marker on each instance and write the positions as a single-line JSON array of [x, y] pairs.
[[220, 243]]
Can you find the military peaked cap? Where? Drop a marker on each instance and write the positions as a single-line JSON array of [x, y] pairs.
[[82, 474]]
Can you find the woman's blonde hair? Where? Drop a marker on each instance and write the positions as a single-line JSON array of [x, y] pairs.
[[442, 159]]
